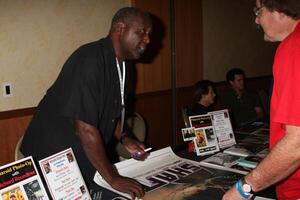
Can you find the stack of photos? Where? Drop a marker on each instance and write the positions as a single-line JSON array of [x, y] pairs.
[[240, 158], [225, 161]]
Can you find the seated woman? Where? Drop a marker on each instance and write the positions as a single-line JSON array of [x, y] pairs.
[[204, 96]]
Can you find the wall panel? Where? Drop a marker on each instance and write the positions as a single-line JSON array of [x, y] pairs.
[[188, 34], [232, 39], [154, 70], [11, 130], [37, 37]]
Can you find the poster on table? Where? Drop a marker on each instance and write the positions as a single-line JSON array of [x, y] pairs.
[[223, 128], [20, 180], [205, 140], [164, 176], [63, 176]]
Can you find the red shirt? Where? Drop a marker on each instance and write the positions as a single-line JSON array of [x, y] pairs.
[[285, 103]]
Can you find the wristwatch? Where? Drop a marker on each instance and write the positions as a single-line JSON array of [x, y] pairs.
[[244, 189]]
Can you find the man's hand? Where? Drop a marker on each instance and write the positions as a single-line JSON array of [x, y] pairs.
[[134, 147], [129, 186], [232, 194]]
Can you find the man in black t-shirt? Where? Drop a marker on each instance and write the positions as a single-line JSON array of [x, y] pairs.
[[204, 97], [83, 109]]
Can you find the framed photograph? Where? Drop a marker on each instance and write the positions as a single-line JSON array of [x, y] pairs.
[[188, 134], [205, 141]]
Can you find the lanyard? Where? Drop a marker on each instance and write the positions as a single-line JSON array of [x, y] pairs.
[[122, 88]]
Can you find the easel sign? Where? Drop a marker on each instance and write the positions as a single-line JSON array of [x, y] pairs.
[[63, 176]]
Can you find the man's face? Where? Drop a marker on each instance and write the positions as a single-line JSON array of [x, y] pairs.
[[135, 38], [269, 22], [238, 82]]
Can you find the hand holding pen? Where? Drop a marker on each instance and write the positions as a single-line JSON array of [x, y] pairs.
[[138, 154], [136, 148]]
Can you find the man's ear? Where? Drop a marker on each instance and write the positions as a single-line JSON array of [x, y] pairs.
[[282, 15], [120, 28]]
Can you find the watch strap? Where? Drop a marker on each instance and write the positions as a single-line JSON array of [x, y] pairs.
[[240, 190]]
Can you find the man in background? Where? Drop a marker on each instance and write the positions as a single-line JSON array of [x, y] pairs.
[[244, 105], [279, 20], [204, 97], [84, 108]]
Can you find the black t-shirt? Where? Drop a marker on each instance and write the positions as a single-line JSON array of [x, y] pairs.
[[198, 109], [86, 89]]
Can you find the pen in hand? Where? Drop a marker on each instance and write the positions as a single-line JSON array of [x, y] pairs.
[[137, 153]]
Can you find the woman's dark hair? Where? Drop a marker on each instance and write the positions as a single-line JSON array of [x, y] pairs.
[[201, 88]]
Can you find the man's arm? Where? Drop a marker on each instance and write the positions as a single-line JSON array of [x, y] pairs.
[[283, 160], [92, 144], [130, 143]]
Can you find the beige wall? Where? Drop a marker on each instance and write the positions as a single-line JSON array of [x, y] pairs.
[[231, 39], [37, 36]]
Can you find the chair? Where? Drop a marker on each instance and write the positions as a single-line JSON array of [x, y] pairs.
[[136, 125], [185, 117], [18, 153]]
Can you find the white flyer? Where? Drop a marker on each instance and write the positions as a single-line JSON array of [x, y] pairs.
[[223, 128], [63, 176]]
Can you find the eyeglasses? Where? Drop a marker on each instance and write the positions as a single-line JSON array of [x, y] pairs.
[[257, 11]]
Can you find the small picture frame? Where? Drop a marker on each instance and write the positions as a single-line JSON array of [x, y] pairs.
[[188, 134]]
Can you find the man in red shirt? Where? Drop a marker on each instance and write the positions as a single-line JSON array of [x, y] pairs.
[[279, 20]]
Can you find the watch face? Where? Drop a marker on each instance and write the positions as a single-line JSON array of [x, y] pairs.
[[246, 188]]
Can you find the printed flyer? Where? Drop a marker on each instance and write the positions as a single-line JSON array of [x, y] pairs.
[[20, 181], [63, 176], [206, 140], [223, 128]]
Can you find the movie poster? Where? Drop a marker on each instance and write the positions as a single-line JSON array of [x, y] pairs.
[[167, 176]]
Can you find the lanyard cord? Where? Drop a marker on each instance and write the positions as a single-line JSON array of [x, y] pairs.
[[122, 80], [122, 88]]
